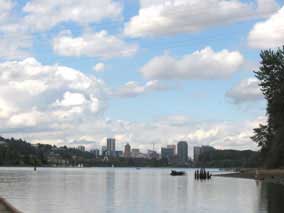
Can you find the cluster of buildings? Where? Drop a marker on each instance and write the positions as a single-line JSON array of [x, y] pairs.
[[173, 152]]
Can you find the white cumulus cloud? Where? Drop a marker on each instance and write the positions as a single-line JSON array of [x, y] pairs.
[[71, 99], [43, 15], [246, 90], [99, 44], [14, 41], [268, 33], [49, 96], [133, 89], [99, 67], [17, 24], [184, 16], [26, 119], [202, 64]]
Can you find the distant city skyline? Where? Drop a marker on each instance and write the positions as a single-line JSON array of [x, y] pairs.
[[172, 152], [180, 152]]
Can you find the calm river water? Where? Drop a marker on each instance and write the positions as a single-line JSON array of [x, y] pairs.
[[128, 190]]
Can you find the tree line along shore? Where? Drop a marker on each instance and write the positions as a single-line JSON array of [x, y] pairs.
[[17, 152]]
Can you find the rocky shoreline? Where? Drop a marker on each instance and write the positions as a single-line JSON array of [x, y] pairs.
[[272, 176]]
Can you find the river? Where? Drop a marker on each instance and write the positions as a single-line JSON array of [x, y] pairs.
[[130, 190]]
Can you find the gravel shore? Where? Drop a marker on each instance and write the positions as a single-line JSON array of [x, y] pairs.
[[272, 176]]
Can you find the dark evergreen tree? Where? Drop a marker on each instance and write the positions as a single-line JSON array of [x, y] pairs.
[[270, 137]]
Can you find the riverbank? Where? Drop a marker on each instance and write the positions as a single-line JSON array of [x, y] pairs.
[[271, 176], [6, 207]]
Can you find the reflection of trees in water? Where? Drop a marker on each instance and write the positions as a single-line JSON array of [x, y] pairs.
[[272, 198]]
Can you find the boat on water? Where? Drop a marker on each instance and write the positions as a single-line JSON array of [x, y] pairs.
[[177, 173]]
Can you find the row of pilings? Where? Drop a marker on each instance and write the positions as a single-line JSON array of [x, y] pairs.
[[202, 174]]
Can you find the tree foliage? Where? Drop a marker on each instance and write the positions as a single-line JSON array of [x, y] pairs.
[[228, 159], [16, 152], [270, 137]]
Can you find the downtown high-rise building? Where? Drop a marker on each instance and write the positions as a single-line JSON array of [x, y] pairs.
[[182, 151], [167, 153], [111, 146], [172, 146], [127, 151]]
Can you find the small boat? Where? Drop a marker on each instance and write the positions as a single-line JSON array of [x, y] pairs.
[[177, 173]]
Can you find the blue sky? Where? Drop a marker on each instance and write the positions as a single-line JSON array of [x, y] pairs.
[[180, 66]]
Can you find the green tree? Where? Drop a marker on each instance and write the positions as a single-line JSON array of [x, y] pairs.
[[271, 81]]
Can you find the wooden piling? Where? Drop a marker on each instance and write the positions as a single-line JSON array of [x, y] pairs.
[[202, 174]]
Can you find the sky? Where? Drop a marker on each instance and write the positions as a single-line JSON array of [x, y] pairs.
[[143, 71]]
